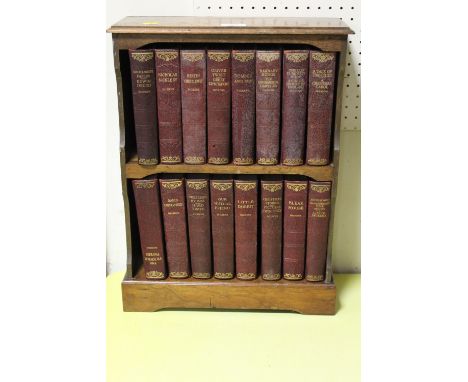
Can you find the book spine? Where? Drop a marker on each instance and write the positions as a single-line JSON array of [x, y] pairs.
[[320, 107], [243, 107], [294, 237], [219, 106], [294, 107], [148, 207], [268, 105], [246, 206], [193, 77], [318, 216], [144, 105], [175, 228], [271, 228], [169, 105], [222, 225], [198, 214]]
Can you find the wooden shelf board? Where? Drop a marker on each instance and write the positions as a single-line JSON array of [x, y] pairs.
[[141, 295], [136, 171]]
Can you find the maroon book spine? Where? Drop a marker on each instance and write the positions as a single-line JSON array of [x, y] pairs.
[[144, 105], [271, 226], [320, 107], [198, 216], [243, 106], [246, 207], [268, 106], [295, 78], [193, 77], [222, 225], [148, 207], [175, 227], [219, 106], [294, 230], [169, 105], [318, 216]]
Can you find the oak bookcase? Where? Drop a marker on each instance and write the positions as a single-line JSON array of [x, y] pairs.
[[140, 294]]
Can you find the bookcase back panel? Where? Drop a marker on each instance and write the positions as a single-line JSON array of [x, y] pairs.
[[347, 10]]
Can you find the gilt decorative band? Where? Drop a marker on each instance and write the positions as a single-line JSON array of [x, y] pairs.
[[246, 186], [322, 57], [142, 56], [197, 184], [170, 159], [167, 56], [272, 187], [314, 278], [218, 56], [218, 160], [320, 187], [178, 275], [293, 276], [267, 161], [293, 162], [201, 275], [296, 187], [246, 276], [221, 186], [243, 161], [268, 56], [296, 57], [243, 56], [147, 162], [221, 275], [272, 277], [171, 184], [154, 275], [194, 160], [145, 184]]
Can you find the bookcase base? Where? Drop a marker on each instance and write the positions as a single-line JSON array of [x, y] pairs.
[[304, 297]]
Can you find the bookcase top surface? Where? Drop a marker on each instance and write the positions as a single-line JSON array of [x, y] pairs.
[[230, 25]]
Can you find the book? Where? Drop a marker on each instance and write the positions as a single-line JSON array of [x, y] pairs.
[[246, 221], [268, 106], [175, 226], [294, 106], [199, 227], [318, 217], [271, 193], [148, 208], [243, 107], [320, 107], [193, 77], [294, 227], [222, 225], [144, 109], [169, 105], [219, 106]]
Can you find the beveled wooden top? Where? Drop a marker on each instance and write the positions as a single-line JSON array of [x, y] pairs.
[[230, 25]]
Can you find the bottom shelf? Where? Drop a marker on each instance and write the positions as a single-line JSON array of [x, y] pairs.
[[141, 295]]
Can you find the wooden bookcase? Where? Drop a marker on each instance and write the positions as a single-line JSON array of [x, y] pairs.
[[140, 294]]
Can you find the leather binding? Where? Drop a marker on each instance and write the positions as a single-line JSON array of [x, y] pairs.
[[268, 106], [318, 216], [271, 192], [295, 77], [320, 107], [222, 225], [193, 77], [294, 228], [197, 189], [169, 105], [148, 207], [219, 106], [243, 107], [144, 105], [175, 227], [246, 220]]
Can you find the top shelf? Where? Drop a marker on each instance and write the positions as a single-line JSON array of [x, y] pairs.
[[230, 25]]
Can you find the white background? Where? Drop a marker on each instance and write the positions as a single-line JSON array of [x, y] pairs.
[[346, 236]]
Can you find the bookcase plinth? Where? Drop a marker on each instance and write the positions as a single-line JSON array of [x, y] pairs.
[[304, 297]]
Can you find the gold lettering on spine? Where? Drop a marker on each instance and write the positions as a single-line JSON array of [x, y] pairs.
[[296, 187], [171, 184], [142, 56]]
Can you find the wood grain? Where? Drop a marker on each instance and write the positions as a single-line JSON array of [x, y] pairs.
[[140, 295]]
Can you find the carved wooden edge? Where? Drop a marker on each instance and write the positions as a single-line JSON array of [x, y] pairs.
[[297, 296]]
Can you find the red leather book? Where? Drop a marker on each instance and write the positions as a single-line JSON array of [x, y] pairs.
[[169, 105], [199, 227], [320, 107], [144, 105], [268, 106], [175, 227], [148, 207], [295, 76], [271, 192], [222, 225], [294, 228], [246, 221], [193, 77], [243, 106], [318, 216], [219, 106]]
